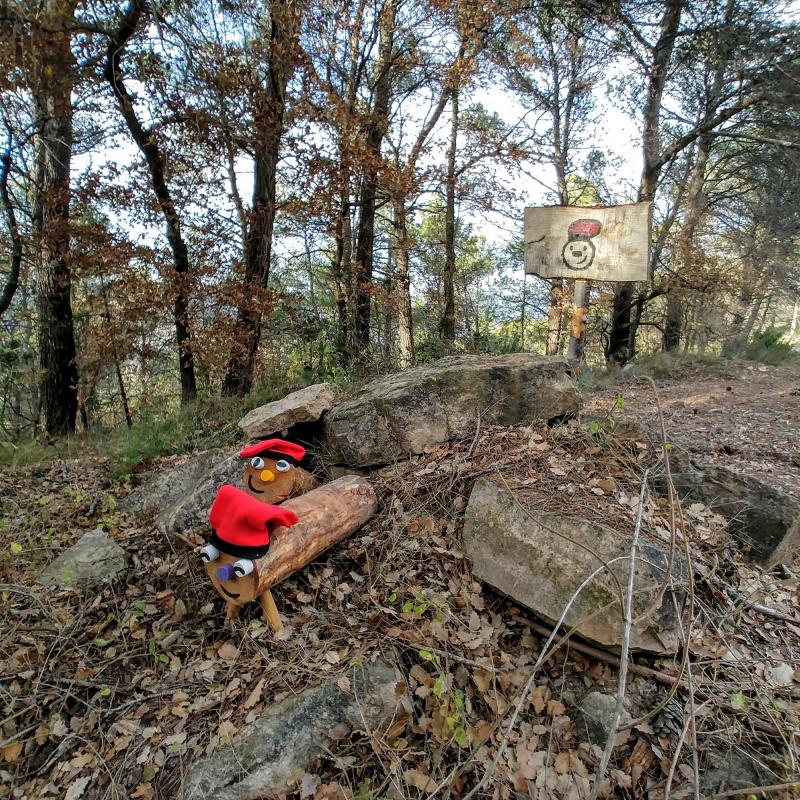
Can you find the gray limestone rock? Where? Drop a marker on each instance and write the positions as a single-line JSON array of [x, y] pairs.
[[540, 560], [410, 411], [268, 758], [94, 558], [306, 405], [765, 520], [595, 715]]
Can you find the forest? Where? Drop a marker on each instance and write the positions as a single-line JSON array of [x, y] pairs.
[[203, 198], [311, 485]]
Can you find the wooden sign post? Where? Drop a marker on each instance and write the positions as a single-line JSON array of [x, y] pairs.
[[602, 244]]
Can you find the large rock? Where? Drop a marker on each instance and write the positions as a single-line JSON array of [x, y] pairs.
[[165, 489], [95, 557], [764, 519], [540, 560], [409, 411], [182, 495], [269, 757], [190, 513], [305, 405]]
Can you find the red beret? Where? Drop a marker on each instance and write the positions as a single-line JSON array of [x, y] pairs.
[[241, 524], [276, 447], [585, 227]]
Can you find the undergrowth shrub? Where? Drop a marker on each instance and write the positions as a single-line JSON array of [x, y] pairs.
[[770, 347]]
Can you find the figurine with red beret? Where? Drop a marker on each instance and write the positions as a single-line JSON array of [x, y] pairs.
[[273, 473], [241, 527]]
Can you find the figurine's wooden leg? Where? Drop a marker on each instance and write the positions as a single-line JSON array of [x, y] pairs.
[[231, 612], [271, 614]]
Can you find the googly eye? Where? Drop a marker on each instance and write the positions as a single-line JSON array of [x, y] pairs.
[[282, 466], [242, 567], [209, 553], [257, 462]]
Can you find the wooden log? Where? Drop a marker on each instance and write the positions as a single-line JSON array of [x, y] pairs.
[[326, 515]]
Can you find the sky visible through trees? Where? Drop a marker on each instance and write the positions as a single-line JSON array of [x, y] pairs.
[[205, 197]]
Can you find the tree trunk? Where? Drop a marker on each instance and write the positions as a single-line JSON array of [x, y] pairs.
[[12, 279], [374, 131], [673, 322], [52, 97], [342, 277], [619, 341], [148, 146], [123, 395], [745, 312], [269, 112], [554, 317], [403, 288], [447, 326]]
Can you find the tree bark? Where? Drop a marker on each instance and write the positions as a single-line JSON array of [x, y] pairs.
[[12, 279], [342, 269], [148, 146], [269, 112], [619, 344], [52, 99], [447, 326], [374, 131], [403, 289], [554, 314]]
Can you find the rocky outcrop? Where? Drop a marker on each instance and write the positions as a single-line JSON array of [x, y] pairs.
[[164, 489], [268, 758], [306, 405], [410, 411], [540, 560], [94, 558], [764, 519], [182, 496]]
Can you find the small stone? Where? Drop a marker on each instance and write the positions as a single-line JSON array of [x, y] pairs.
[[595, 717], [306, 405], [94, 558]]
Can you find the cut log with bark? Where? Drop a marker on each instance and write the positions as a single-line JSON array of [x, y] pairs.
[[326, 515]]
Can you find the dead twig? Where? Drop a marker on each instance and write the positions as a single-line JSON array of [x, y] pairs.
[[626, 643]]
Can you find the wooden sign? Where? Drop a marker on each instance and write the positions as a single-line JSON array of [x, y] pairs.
[[603, 244]]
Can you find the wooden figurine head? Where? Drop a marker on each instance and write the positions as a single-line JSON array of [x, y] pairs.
[[240, 531], [271, 469]]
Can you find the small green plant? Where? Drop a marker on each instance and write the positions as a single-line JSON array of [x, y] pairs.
[[448, 715]]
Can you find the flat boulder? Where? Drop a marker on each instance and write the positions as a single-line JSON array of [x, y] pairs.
[[94, 558], [267, 759], [410, 411], [306, 405], [540, 560], [764, 518]]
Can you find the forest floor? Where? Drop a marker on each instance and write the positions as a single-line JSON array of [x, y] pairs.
[[743, 415], [113, 692]]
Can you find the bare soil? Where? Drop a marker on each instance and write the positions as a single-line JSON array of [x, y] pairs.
[[745, 417]]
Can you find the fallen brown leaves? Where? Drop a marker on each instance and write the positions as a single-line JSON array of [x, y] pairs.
[[112, 693]]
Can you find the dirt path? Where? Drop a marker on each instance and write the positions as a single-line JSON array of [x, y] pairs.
[[747, 418]]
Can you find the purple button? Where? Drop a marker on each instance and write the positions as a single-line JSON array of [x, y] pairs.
[[225, 573]]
